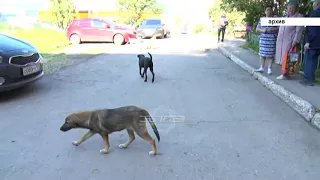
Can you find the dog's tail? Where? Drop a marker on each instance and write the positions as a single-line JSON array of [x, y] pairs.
[[150, 56], [154, 128]]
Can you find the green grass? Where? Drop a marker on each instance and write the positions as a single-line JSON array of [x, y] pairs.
[[45, 40], [49, 42], [4, 27], [54, 57], [251, 46]]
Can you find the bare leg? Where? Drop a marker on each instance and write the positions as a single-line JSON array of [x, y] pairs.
[[262, 64], [84, 138], [270, 61], [262, 61], [106, 150], [130, 140]]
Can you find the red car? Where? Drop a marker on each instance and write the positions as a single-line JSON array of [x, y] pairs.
[[98, 30]]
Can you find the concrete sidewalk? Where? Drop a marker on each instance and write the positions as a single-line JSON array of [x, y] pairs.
[[303, 99]]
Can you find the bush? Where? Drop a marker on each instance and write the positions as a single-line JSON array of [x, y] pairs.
[[200, 28]]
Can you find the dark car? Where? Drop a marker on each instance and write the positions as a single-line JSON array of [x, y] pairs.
[[20, 63], [151, 27], [98, 30]]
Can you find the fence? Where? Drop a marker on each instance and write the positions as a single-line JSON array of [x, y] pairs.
[[253, 38]]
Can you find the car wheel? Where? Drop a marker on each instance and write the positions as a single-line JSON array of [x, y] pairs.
[[75, 39], [162, 35], [167, 34], [118, 39]]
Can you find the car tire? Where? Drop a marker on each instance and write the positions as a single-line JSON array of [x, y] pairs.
[[162, 35], [118, 39], [75, 39], [167, 35]]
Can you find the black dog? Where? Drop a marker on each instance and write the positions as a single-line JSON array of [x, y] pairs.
[[145, 63]]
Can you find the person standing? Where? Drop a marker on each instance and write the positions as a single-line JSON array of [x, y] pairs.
[[267, 42], [222, 25], [289, 36], [312, 48]]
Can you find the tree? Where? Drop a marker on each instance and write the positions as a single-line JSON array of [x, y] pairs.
[[63, 12], [254, 9], [234, 17], [137, 8]]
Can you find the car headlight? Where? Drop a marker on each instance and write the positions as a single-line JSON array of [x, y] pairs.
[[42, 60], [1, 58]]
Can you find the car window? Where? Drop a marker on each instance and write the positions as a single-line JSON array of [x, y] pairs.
[[110, 23], [153, 22], [96, 23], [85, 23]]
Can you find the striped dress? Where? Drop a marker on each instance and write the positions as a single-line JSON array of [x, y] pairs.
[[267, 43]]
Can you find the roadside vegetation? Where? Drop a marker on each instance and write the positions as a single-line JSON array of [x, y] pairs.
[[250, 11], [50, 38], [235, 17], [47, 41], [251, 46], [137, 10]]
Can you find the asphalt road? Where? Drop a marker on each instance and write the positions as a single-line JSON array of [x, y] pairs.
[[234, 128]]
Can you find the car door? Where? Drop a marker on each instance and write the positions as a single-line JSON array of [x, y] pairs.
[[86, 30], [102, 31]]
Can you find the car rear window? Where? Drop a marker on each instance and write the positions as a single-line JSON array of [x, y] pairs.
[[153, 22], [96, 23], [85, 23]]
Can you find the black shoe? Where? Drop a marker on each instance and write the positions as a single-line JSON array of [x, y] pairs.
[[306, 83]]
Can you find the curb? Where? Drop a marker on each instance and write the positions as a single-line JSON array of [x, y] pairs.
[[301, 106]]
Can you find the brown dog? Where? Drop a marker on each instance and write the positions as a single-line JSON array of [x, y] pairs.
[[106, 121]]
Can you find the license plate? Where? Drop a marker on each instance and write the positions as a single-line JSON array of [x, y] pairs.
[[31, 69]]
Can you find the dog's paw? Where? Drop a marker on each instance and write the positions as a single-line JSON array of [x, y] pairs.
[[104, 151], [75, 143], [122, 146], [151, 153], [145, 80]]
